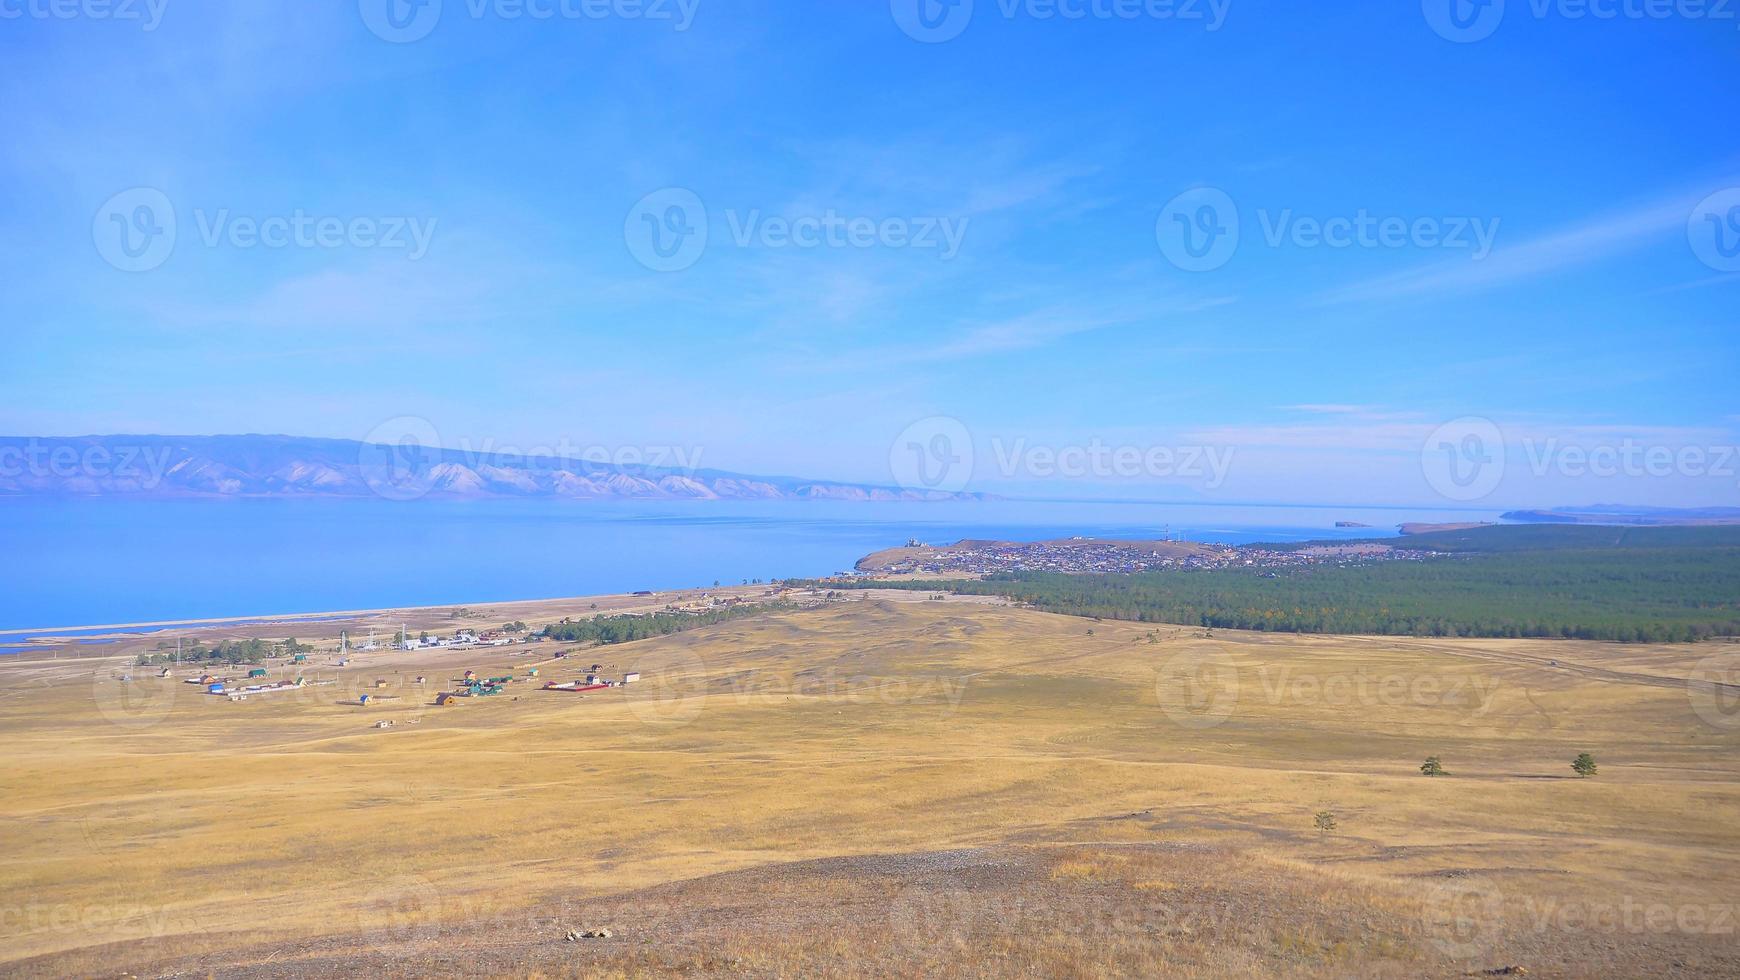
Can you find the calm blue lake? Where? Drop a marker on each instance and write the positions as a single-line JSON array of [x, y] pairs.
[[76, 562]]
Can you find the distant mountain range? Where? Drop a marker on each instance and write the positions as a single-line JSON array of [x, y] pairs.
[[292, 466], [1628, 515]]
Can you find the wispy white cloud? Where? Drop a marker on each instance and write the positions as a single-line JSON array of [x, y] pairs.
[[1028, 331], [380, 296], [1408, 433], [1020, 333], [1332, 409], [1567, 248]]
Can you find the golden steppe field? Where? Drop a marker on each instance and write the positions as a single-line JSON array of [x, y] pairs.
[[885, 785]]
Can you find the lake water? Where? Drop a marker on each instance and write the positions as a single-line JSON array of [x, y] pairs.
[[75, 562]]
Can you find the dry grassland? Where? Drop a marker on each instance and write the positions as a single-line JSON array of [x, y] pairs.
[[888, 786]]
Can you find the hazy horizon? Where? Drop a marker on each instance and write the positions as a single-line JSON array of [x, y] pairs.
[[637, 231]]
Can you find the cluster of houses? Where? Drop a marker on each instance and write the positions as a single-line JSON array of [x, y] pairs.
[[1081, 555], [470, 686], [222, 686], [477, 687], [473, 686], [593, 682], [468, 638]]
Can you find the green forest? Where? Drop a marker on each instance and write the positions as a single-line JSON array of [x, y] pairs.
[[1631, 591], [227, 652], [623, 628]]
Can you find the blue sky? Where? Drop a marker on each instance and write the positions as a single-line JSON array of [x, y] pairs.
[[1055, 149]]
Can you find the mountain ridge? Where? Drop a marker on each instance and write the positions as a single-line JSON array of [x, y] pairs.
[[273, 465]]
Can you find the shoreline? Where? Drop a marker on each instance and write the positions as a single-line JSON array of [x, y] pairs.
[[95, 583], [302, 617], [59, 636], [97, 641]]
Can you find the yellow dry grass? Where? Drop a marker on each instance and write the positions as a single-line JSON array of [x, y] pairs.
[[148, 820]]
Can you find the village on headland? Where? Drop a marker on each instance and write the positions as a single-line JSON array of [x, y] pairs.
[[539, 636], [1084, 555], [450, 655], [447, 655]]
